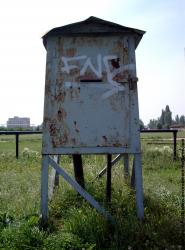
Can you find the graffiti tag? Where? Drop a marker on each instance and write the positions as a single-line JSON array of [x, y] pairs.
[[115, 87]]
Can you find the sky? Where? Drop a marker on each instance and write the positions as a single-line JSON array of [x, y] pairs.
[[160, 55]]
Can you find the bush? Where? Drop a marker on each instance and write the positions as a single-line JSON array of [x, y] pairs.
[[22, 235], [66, 241]]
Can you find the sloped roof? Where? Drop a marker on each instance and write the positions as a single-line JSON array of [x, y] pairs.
[[92, 25]]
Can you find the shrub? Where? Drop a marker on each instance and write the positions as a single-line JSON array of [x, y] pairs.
[[66, 241], [22, 235]]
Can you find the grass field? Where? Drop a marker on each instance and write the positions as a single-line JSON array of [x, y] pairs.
[[73, 223]]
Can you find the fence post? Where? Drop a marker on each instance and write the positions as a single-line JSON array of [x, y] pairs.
[[182, 194], [17, 144], [174, 145]]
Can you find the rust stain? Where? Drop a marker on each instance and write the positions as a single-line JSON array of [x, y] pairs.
[[121, 77], [52, 129], [61, 114], [46, 119], [70, 52], [60, 96], [88, 76], [111, 142], [73, 93], [54, 143], [64, 138], [117, 145], [59, 141], [115, 63], [59, 80]]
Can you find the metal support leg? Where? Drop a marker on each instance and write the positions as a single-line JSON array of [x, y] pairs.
[[108, 185], [81, 191], [44, 190], [126, 166], [103, 171], [78, 169], [54, 178], [139, 186], [56, 182]]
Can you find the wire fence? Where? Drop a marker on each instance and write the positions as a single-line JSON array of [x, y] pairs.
[[182, 194]]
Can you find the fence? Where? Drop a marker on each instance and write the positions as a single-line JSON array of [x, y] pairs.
[[18, 133], [182, 193], [173, 131]]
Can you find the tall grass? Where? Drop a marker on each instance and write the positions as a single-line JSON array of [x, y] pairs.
[[73, 223]]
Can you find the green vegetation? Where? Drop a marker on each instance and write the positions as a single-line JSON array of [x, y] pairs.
[[165, 121], [73, 224]]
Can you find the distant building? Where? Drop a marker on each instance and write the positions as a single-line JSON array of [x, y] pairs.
[[18, 122]]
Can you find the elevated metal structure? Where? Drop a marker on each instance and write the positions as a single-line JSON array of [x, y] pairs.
[[91, 99]]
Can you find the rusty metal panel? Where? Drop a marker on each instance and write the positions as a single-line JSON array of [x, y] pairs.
[[91, 95]]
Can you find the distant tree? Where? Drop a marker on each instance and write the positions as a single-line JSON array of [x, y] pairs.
[[162, 121], [177, 120], [182, 120], [159, 125], [38, 128], [2, 128], [167, 117], [167, 109], [165, 120], [141, 123], [153, 123]]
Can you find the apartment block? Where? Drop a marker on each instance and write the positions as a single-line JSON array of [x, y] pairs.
[[18, 122]]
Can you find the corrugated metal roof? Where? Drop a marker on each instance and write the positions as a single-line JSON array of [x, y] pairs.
[[92, 25]]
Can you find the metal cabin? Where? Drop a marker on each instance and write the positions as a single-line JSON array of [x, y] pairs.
[[91, 100]]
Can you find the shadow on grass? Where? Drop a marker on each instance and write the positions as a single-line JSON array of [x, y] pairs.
[[159, 230]]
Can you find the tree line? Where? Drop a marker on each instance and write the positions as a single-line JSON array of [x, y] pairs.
[[165, 121]]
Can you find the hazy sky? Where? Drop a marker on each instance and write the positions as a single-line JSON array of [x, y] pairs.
[[160, 55]]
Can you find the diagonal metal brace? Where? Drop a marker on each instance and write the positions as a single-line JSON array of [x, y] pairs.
[[81, 191], [104, 170]]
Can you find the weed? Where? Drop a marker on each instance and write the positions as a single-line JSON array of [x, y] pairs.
[[73, 223]]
